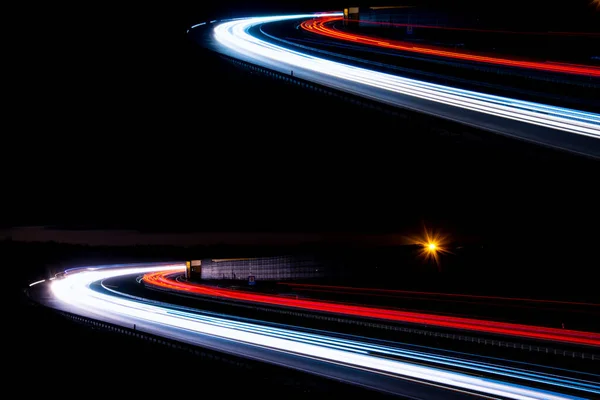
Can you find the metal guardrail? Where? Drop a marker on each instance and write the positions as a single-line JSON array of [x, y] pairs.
[[355, 99], [159, 340], [290, 78], [452, 336], [406, 114]]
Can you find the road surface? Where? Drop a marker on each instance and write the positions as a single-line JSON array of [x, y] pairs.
[[570, 129], [407, 372], [168, 280], [323, 26]]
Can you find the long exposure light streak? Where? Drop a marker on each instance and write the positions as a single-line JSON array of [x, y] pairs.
[[164, 280], [321, 26], [391, 292], [478, 30], [75, 290], [418, 356], [235, 36]]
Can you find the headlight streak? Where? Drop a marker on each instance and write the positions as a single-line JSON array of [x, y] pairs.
[[370, 348], [161, 279], [234, 35], [542, 107], [75, 290], [320, 27], [365, 348], [420, 356], [354, 338]]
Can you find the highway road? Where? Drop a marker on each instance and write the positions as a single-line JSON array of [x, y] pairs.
[[325, 27], [576, 315], [570, 129], [403, 370], [168, 280]]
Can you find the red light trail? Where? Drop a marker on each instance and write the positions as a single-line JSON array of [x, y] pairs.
[[451, 28], [164, 280], [386, 292], [319, 26]]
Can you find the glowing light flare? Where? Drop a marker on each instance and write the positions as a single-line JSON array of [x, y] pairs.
[[320, 27], [432, 245]]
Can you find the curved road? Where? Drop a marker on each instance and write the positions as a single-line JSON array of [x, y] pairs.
[[322, 26], [416, 374], [569, 129], [167, 280]]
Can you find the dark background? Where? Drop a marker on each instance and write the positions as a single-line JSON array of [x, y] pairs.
[[121, 123], [115, 120]]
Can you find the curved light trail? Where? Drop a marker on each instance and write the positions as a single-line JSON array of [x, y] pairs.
[[478, 30], [235, 36], [79, 290], [391, 292], [321, 26], [164, 280]]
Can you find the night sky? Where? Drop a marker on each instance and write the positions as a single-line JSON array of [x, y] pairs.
[[108, 137]]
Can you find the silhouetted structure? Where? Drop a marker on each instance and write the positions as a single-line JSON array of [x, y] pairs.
[[278, 268]]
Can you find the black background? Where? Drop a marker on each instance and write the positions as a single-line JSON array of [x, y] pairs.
[[119, 123]]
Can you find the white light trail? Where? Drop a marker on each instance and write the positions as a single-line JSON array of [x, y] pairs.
[[75, 290], [235, 36]]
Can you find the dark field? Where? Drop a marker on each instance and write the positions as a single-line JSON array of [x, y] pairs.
[[122, 123]]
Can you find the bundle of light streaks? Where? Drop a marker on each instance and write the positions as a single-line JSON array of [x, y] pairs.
[[164, 279], [478, 367], [322, 27], [235, 36], [75, 290], [429, 295], [478, 30]]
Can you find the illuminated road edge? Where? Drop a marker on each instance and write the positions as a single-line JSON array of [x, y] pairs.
[[74, 289], [168, 280], [234, 35], [320, 27]]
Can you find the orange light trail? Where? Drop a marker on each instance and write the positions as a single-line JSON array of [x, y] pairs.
[[319, 26], [164, 279]]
